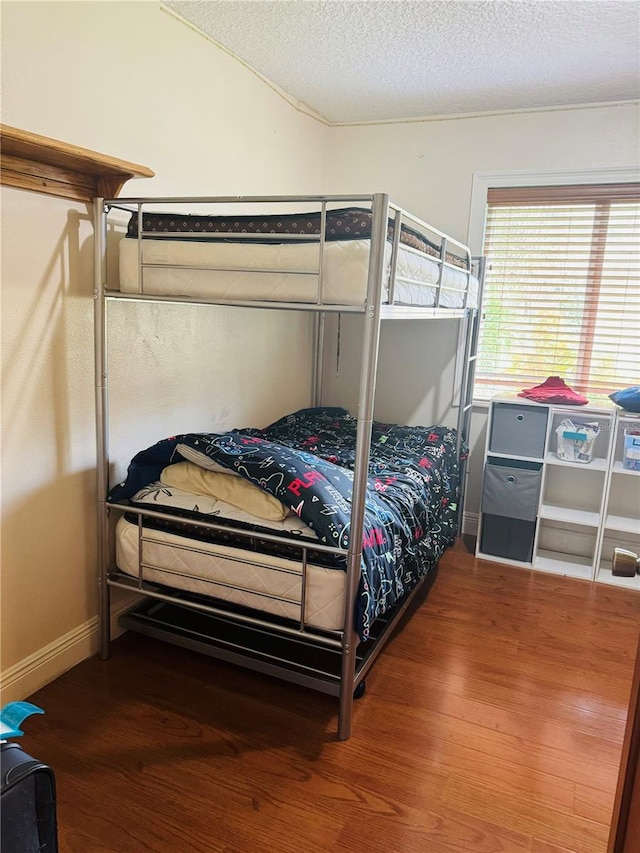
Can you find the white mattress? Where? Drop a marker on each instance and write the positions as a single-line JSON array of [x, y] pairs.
[[345, 267], [219, 570]]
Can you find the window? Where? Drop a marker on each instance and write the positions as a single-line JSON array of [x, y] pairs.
[[562, 289]]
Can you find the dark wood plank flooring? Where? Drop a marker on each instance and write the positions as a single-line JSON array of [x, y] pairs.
[[493, 721]]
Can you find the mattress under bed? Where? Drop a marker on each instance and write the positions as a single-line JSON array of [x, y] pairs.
[[200, 263]]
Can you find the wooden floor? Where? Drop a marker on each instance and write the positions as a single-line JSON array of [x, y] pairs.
[[492, 722]]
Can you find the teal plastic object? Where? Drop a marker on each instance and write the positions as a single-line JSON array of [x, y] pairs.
[[13, 715], [575, 436]]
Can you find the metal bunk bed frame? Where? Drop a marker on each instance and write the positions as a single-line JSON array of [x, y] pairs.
[[328, 661]]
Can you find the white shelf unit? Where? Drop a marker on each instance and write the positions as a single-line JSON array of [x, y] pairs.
[[556, 563], [580, 506], [572, 494], [621, 521], [596, 464]]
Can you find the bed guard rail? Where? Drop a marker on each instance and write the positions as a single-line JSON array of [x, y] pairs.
[[440, 248], [144, 586]]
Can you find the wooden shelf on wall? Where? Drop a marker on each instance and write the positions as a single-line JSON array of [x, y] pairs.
[[32, 162]]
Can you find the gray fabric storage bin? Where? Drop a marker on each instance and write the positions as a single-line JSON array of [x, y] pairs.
[[509, 538], [511, 488], [518, 430]]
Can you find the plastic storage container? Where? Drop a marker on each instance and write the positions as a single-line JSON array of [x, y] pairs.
[[575, 441], [631, 455]]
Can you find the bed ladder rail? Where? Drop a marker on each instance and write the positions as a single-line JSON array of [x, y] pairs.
[[471, 333]]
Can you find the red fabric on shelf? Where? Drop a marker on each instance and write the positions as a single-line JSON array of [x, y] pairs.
[[554, 390]]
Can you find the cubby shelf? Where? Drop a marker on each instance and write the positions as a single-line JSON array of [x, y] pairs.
[[583, 510], [562, 564], [605, 575], [569, 515], [623, 524], [597, 464], [618, 468]]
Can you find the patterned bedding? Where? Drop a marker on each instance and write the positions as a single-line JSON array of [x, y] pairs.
[[306, 460], [353, 223]]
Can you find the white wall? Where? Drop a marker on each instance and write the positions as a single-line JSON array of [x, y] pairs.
[[128, 80], [428, 167]]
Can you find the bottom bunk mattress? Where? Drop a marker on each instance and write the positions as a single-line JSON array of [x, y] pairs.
[[304, 463], [261, 580]]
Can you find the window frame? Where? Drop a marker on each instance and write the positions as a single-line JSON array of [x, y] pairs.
[[482, 181]]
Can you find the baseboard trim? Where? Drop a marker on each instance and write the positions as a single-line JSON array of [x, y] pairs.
[[50, 662], [470, 521]]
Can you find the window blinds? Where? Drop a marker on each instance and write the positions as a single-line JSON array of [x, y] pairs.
[[562, 289]]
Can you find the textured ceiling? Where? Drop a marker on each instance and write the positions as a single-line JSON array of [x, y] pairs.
[[368, 60]]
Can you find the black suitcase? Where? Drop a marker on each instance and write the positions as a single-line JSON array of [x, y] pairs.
[[28, 803]]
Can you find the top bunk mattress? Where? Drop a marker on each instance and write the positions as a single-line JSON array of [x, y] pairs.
[[268, 258]]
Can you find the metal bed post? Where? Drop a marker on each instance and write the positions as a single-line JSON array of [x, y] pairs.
[[472, 321], [368, 369], [101, 402], [397, 228], [443, 260], [319, 326], [319, 320], [464, 409]]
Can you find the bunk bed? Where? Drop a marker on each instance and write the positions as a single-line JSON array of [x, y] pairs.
[[295, 548]]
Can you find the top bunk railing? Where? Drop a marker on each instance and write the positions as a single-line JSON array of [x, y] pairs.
[[436, 279]]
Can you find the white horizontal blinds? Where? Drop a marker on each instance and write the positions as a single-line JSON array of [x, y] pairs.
[[562, 289]]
